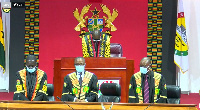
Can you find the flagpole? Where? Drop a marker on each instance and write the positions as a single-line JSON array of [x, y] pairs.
[[177, 76]]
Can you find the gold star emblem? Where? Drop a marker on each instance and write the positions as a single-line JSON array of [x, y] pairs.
[[95, 13]]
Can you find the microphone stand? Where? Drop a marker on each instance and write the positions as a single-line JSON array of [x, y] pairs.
[[64, 102], [96, 48], [103, 107], [152, 103], [18, 96]]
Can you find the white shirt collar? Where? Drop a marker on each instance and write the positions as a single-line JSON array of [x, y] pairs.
[[78, 75]]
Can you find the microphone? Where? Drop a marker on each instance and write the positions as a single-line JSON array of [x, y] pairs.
[[152, 103], [103, 107], [64, 102], [96, 47], [18, 96]]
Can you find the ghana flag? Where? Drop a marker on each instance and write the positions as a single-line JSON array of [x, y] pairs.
[[2, 48]]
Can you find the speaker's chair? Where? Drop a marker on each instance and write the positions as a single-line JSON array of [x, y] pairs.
[[50, 91], [115, 50], [173, 94], [111, 92]]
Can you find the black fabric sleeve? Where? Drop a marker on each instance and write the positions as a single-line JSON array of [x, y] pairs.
[[163, 91], [41, 94], [93, 95], [19, 93], [67, 90], [132, 91]]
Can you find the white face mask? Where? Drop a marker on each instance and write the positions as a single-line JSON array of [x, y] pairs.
[[144, 70], [80, 68], [31, 70]]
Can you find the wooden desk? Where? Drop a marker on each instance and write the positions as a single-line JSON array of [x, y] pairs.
[[28, 105], [104, 68]]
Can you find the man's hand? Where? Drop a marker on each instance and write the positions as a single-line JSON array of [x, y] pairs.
[[77, 100], [82, 101]]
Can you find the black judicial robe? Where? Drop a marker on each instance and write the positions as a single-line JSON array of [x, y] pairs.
[[88, 46], [88, 90], [31, 86], [157, 88]]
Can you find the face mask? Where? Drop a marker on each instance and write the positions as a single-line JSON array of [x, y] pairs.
[[31, 70], [80, 68], [143, 70]]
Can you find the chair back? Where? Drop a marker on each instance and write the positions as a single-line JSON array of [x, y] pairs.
[[115, 50], [173, 94], [50, 91], [111, 92]]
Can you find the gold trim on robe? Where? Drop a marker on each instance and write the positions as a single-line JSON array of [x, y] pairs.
[[137, 76], [157, 78], [87, 46], [39, 73], [76, 85]]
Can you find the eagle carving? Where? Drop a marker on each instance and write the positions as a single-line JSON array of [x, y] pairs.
[[110, 18], [80, 18]]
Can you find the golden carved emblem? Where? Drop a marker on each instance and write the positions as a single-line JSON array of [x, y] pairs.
[[86, 22]]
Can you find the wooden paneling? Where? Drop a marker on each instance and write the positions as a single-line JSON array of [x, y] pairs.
[[36, 105], [130, 71], [56, 77]]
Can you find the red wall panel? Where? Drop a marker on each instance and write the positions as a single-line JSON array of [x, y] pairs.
[[59, 39]]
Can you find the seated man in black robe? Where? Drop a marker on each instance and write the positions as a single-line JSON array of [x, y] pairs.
[[96, 44], [31, 83], [81, 85], [147, 86]]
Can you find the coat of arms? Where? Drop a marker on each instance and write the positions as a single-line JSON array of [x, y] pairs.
[[95, 22]]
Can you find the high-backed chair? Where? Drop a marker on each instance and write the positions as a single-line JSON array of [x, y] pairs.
[[111, 92], [50, 91], [115, 50], [173, 94]]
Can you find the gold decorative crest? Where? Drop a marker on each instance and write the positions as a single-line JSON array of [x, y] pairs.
[[19, 87], [44, 88], [165, 86], [130, 86], [110, 18], [138, 90], [80, 18], [74, 90], [157, 91], [38, 86], [65, 84], [95, 22], [85, 89], [18, 82]]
